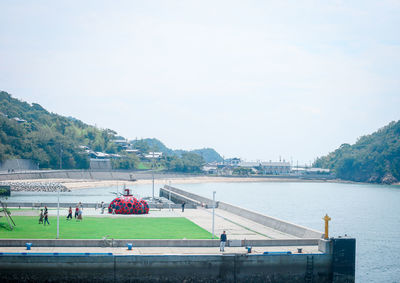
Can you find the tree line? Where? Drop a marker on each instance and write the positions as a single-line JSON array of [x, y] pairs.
[[374, 158], [48, 138]]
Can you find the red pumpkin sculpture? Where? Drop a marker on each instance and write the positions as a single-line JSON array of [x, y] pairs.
[[128, 204]]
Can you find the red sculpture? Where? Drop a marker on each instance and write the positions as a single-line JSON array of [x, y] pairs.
[[128, 204]]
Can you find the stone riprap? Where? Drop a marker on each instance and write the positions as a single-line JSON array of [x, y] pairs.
[[35, 186]]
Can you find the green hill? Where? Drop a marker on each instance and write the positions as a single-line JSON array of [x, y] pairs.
[[373, 158], [29, 131], [152, 144]]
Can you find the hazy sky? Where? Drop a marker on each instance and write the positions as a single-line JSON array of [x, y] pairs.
[[252, 79]]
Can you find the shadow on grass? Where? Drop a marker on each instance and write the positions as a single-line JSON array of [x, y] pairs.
[[5, 226]]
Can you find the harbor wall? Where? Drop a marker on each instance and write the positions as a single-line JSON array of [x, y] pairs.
[[166, 268], [277, 224], [125, 175]]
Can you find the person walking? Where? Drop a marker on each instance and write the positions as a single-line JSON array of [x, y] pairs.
[[45, 209], [79, 215], [223, 242], [183, 206], [69, 213], [102, 207], [41, 216], [76, 212], [46, 218]]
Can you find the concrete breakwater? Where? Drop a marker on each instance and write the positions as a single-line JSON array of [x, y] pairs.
[[159, 268], [124, 175], [35, 186], [336, 265]]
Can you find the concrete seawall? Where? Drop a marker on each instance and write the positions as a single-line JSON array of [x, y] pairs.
[[172, 268], [277, 224], [127, 175]]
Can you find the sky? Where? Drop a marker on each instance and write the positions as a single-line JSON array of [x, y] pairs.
[[259, 80]]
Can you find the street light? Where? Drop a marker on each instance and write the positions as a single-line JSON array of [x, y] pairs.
[[152, 171], [213, 214], [58, 211]]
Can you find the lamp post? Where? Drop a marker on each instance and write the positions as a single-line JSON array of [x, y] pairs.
[[213, 214], [58, 211], [152, 171]]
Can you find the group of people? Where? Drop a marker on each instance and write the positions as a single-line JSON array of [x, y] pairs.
[[44, 214]]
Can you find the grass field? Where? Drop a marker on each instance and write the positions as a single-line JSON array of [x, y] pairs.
[[98, 227]]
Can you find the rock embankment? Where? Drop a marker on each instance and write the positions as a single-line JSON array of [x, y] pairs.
[[35, 186]]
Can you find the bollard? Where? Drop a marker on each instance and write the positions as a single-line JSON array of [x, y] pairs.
[[28, 246], [248, 249], [129, 246], [299, 250]]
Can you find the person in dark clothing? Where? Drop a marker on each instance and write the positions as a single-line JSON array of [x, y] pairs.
[[183, 206], [46, 218], [69, 213], [223, 242], [76, 211], [45, 209], [41, 216]]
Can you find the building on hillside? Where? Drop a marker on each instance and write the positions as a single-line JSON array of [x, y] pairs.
[[210, 169], [276, 168], [232, 161], [19, 120], [249, 164], [122, 143], [153, 154]]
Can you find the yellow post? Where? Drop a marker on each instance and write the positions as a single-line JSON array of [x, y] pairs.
[[327, 219]]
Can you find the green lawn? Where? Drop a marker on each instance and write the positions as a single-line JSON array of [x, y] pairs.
[[98, 227]]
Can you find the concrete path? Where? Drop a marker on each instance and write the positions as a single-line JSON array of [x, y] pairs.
[[159, 250]]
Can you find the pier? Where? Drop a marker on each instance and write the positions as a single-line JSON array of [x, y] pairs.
[[260, 248]]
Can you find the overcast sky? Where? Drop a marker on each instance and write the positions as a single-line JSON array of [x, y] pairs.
[[251, 79]]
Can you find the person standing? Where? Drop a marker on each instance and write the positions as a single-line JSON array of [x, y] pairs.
[[79, 215], [183, 206], [41, 216], [102, 207], [46, 218], [69, 213], [223, 242], [76, 212]]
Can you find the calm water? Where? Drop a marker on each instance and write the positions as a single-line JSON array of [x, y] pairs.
[[370, 213]]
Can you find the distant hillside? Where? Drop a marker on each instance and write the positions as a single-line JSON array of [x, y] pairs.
[[373, 158], [209, 154], [29, 131], [152, 144]]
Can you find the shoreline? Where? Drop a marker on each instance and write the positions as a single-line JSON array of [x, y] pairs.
[[76, 184]]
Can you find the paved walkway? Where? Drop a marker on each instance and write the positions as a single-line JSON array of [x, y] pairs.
[[159, 250]]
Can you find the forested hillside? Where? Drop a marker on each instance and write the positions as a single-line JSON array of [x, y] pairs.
[[31, 132], [208, 154], [45, 136], [373, 158]]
